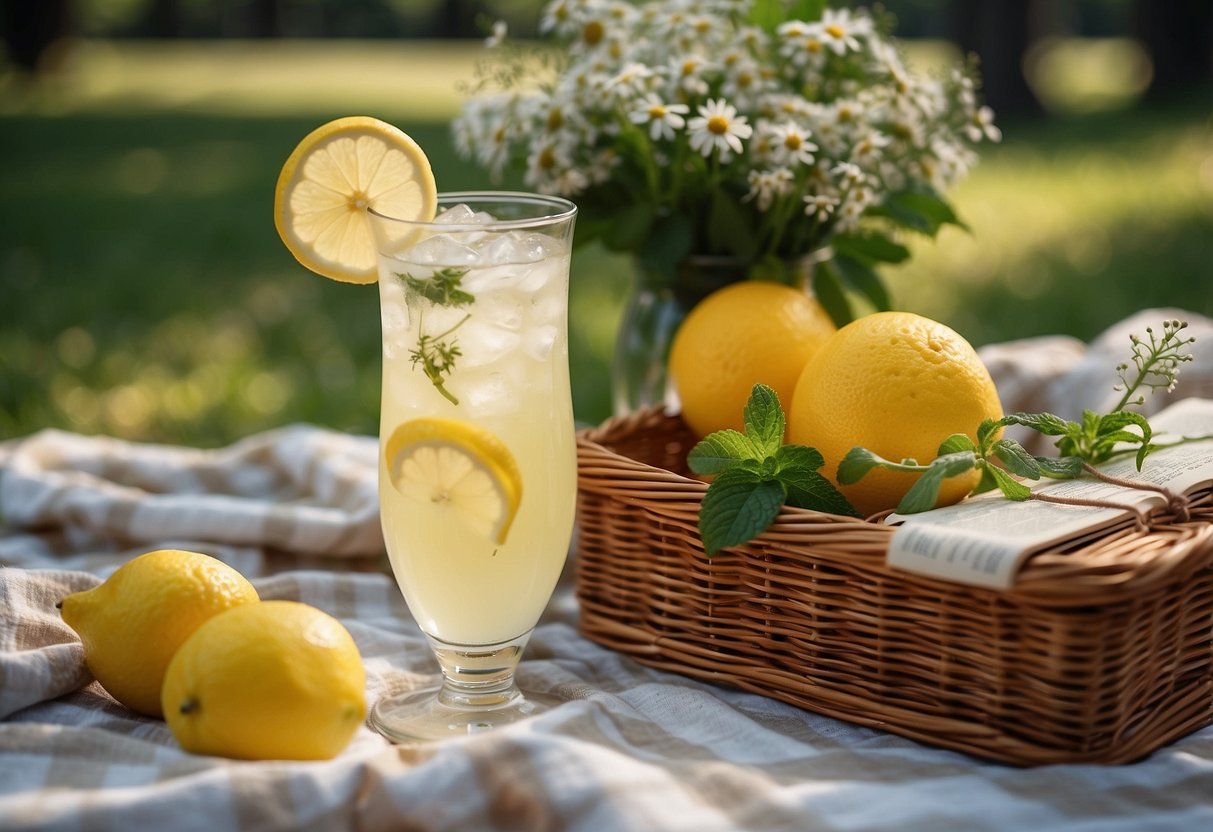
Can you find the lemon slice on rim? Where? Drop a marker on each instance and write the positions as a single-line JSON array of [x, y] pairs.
[[457, 465], [329, 181]]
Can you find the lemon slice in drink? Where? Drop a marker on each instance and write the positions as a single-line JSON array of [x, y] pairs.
[[329, 181], [459, 466]]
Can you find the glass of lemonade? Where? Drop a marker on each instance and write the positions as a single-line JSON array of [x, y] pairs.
[[477, 463]]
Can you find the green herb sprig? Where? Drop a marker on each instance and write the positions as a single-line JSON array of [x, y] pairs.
[[442, 288], [437, 354], [755, 474], [1081, 444]]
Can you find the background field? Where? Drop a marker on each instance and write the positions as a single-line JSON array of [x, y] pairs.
[[144, 292]]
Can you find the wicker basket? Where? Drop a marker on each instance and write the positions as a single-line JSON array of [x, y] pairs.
[[1101, 653]]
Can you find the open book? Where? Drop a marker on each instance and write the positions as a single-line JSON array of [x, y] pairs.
[[984, 540]]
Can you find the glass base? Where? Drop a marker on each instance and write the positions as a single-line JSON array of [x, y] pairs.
[[421, 715], [478, 693]]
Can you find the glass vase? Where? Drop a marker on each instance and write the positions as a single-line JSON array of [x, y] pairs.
[[659, 302]]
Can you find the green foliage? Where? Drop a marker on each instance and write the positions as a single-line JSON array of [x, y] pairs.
[[756, 474]]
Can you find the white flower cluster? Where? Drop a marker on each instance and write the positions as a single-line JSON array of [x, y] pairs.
[[808, 124]]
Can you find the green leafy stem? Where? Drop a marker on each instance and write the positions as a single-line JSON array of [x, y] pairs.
[[437, 355], [756, 474], [1081, 444]]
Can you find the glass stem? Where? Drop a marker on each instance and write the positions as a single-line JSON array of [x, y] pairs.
[[479, 676]]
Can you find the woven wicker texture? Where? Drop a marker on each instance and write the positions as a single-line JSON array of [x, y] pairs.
[[1102, 653]]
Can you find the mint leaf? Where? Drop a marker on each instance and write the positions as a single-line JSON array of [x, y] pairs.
[[442, 288], [956, 442], [1017, 459], [924, 493], [764, 420], [1011, 488], [856, 464], [809, 489], [987, 481], [1044, 423], [1060, 468], [739, 505], [720, 451], [793, 457]]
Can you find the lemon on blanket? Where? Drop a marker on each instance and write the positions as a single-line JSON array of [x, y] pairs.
[[279, 680], [133, 623]]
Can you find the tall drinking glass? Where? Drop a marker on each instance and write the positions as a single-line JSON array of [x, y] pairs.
[[477, 463]]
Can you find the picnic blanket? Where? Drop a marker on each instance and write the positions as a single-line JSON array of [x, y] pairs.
[[630, 747]]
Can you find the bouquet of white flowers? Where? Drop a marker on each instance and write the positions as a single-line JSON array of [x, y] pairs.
[[762, 130]]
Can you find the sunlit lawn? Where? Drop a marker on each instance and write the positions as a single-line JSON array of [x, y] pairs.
[[145, 292]]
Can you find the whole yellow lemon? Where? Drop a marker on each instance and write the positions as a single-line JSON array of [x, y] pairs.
[[133, 622], [747, 333], [279, 680], [897, 384]]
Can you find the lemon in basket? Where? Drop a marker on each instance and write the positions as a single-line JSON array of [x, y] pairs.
[[747, 333], [133, 623], [897, 384]]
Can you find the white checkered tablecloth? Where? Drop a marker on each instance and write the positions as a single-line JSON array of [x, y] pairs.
[[629, 748]]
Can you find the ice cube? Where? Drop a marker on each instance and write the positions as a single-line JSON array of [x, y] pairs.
[[548, 307], [482, 342], [489, 394], [486, 280], [394, 316], [517, 247], [443, 250], [538, 342], [456, 215], [507, 313]]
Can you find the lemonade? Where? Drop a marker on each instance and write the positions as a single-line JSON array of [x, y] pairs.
[[474, 324], [477, 469]]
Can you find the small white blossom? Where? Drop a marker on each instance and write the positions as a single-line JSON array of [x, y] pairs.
[[498, 34], [766, 185], [663, 119], [868, 150], [719, 129], [632, 80], [820, 206], [982, 126]]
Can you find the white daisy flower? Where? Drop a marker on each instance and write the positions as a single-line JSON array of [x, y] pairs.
[[791, 144], [868, 149], [718, 128], [663, 119], [687, 74], [820, 206], [632, 80], [841, 31]]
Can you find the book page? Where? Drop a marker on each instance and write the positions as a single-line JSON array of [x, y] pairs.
[[985, 539]]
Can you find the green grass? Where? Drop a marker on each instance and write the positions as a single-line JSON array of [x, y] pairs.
[[146, 294]]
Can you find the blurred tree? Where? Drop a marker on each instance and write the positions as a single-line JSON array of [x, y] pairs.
[[31, 26], [459, 18], [1178, 34], [999, 32]]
